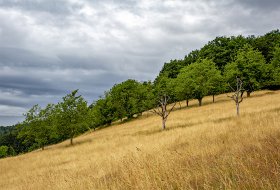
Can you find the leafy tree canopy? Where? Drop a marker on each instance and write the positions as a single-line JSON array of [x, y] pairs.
[[71, 116], [250, 67], [199, 79]]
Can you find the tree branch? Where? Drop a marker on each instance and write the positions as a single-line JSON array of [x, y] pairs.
[[168, 112], [231, 87], [156, 111]]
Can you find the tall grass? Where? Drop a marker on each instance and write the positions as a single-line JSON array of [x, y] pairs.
[[204, 147]]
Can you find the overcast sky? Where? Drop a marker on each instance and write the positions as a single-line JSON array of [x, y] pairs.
[[50, 47]]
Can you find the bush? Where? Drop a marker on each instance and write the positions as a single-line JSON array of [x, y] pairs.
[[3, 151]]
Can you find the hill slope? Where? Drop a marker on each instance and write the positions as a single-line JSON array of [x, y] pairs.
[[204, 148]]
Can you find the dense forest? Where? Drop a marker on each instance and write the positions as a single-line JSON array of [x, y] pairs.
[[210, 70]]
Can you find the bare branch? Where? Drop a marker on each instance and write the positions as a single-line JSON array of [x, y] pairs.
[[231, 87], [156, 111], [240, 100], [162, 110], [242, 93], [237, 97], [171, 109]]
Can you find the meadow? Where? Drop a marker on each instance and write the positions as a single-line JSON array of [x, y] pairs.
[[205, 147]]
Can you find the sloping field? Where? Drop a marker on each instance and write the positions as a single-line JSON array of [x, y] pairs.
[[204, 147]]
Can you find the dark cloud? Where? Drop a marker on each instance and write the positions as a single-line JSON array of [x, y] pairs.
[[27, 85], [15, 57], [12, 102], [49, 48], [261, 5]]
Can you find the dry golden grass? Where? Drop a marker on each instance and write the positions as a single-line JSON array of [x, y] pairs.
[[204, 147]]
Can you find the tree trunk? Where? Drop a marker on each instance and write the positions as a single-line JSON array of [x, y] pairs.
[[163, 124], [213, 98], [43, 147], [187, 102], [180, 105], [200, 101], [248, 94], [237, 109], [71, 141]]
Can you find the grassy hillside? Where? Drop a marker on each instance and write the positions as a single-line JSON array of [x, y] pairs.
[[204, 147]]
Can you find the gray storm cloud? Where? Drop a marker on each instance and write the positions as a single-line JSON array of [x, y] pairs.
[[50, 47]]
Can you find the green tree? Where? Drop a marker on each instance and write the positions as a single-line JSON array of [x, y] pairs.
[[38, 127], [29, 127], [172, 69], [71, 116], [45, 132], [11, 151], [222, 50], [192, 57], [9, 138], [275, 66], [182, 90], [250, 67], [144, 97], [124, 97], [123, 100], [3, 151], [199, 79], [267, 43], [101, 112], [216, 83]]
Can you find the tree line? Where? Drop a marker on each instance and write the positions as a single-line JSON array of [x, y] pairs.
[[212, 70]]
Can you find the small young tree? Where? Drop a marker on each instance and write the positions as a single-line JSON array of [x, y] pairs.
[[163, 95], [162, 110], [237, 97]]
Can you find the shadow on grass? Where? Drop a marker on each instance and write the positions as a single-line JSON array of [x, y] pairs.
[[77, 142], [63, 163], [219, 120], [264, 94], [147, 132], [275, 110], [154, 131], [203, 104], [186, 125]]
